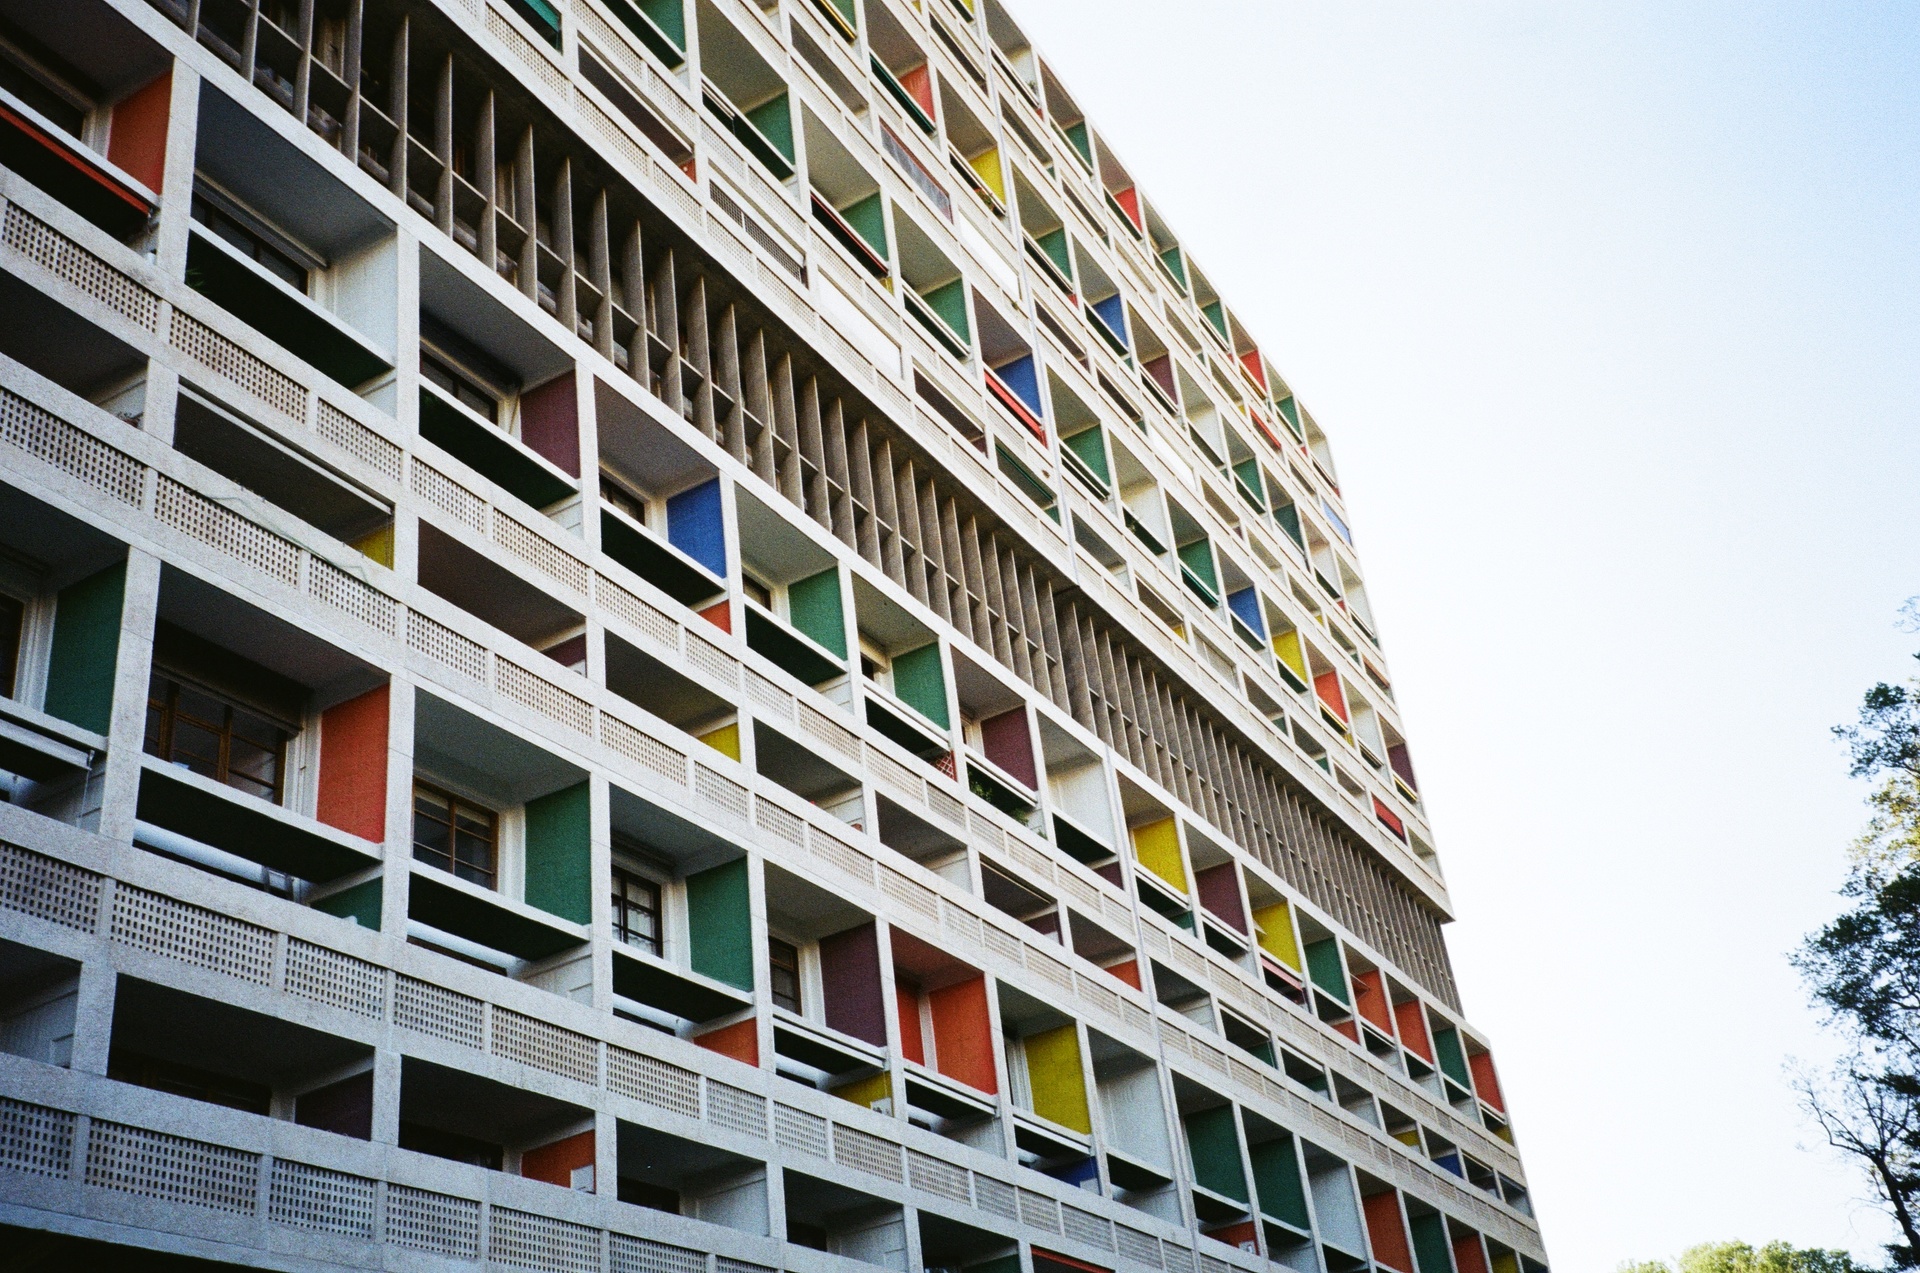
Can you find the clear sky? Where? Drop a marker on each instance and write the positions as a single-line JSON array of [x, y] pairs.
[[1611, 311]]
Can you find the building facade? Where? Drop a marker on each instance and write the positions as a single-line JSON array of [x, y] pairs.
[[677, 635]]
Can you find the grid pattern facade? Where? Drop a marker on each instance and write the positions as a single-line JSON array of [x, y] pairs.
[[764, 464]]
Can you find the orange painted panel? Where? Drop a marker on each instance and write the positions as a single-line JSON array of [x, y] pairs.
[[555, 1163], [1255, 368], [1327, 686], [1349, 1029], [1243, 1235], [919, 85], [720, 615], [1485, 1085], [353, 766], [741, 1041], [137, 138], [1413, 1028], [1469, 1256], [963, 1043], [1370, 1001], [1127, 971], [1386, 1232], [913, 1045]]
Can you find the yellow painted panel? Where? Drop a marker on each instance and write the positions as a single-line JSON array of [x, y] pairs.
[[725, 740], [867, 1091], [986, 166], [1411, 1136], [1286, 648], [1275, 923], [1156, 846], [1506, 1262], [1054, 1075], [377, 545]]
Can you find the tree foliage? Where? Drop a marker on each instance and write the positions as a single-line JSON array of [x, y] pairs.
[[1863, 971], [1739, 1257]]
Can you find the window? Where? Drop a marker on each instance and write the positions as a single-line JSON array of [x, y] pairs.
[[612, 491], [636, 911], [201, 732], [757, 592], [460, 387], [455, 835], [249, 238], [42, 91], [13, 615], [783, 963]]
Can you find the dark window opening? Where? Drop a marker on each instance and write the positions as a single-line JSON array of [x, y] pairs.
[[783, 961], [249, 241], [636, 911], [455, 835], [208, 735], [13, 616], [460, 387]]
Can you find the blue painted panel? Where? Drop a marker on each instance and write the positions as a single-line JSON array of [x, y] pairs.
[[696, 526], [1023, 378], [1246, 604], [1112, 312]]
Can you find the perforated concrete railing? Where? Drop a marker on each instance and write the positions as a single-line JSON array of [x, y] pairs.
[[61, 1145], [61, 893]]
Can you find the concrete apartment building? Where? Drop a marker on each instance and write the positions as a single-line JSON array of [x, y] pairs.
[[677, 636]]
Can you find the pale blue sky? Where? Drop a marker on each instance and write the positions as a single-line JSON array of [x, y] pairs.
[[1612, 313]]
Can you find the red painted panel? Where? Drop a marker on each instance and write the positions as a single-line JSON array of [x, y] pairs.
[[1129, 201], [1468, 1255], [1009, 744], [850, 977], [1413, 1028], [137, 138], [550, 423], [720, 615], [1349, 1029], [1220, 894], [1255, 368], [1045, 1261], [353, 766], [1388, 818], [1370, 1000], [1485, 1084], [555, 1163], [1127, 971], [1387, 1232], [913, 1045], [741, 1041], [963, 1045], [570, 653]]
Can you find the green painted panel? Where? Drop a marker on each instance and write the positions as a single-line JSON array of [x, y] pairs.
[[1323, 965], [815, 608], [670, 16], [775, 122], [86, 645], [1175, 264], [720, 924], [1289, 518], [869, 222], [1054, 244], [949, 301], [1090, 446], [1198, 557], [1214, 1145], [1276, 1176], [559, 856], [1216, 316], [920, 682], [1430, 1247], [1082, 144], [1289, 408], [361, 904], [1453, 1062]]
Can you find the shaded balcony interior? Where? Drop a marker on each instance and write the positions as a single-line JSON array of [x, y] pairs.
[[664, 1172]]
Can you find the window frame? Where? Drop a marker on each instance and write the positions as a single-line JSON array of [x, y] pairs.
[[797, 967], [621, 930], [163, 747], [456, 803]]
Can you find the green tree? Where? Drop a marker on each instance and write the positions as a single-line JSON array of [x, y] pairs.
[[1739, 1257], [1863, 971]]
